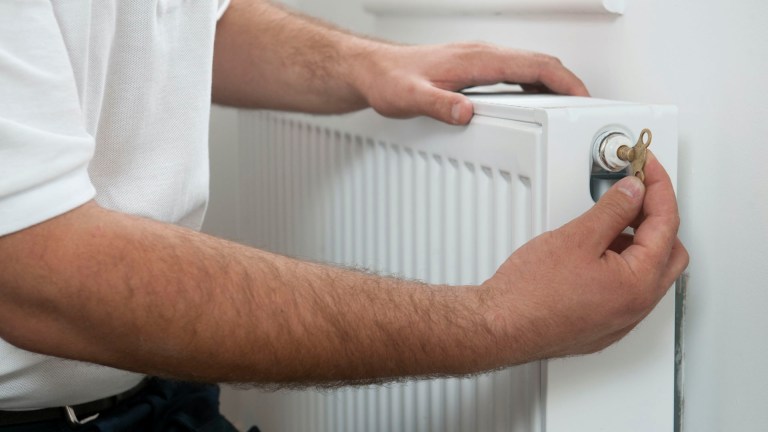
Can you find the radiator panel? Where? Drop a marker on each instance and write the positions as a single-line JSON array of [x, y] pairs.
[[445, 207]]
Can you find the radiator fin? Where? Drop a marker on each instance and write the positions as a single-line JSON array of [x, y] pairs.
[[323, 194]]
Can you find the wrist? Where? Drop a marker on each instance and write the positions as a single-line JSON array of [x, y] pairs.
[[476, 328], [507, 326], [363, 65]]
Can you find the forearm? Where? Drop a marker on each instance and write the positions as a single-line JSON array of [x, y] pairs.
[[103, 287], [269, 57]]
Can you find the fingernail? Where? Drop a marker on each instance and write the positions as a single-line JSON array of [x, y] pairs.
[[631, 186], [456, 112]]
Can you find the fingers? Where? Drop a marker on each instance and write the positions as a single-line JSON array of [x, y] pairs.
[[560, 79], [598, 228], [656, 235], [427, 77], [678, 261], [527, 68]]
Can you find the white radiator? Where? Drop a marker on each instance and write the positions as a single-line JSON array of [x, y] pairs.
[[448, 204]]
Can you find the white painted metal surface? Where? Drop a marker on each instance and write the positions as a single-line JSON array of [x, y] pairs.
[[447, 204]]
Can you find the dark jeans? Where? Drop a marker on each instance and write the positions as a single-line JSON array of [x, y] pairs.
[[162, 406]]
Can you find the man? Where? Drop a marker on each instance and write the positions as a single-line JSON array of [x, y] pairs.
[[103, 107]]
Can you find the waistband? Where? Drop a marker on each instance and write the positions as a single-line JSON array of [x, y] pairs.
[[74, 415]]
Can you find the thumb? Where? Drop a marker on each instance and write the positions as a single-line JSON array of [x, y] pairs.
[[446, 106], [614, 212]]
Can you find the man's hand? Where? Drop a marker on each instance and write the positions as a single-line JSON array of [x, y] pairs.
[[580, 288], [408, 81], [315, 67]]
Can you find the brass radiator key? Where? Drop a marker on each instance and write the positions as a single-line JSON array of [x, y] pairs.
[[614, 156], [637, 155]]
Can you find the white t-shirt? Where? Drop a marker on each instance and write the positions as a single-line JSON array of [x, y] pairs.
[[104, 99]]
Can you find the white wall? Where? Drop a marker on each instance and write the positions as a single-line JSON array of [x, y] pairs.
[[709, 58]]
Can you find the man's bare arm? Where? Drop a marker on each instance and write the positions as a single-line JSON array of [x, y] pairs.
[[122, 291], [269, 57], [135, 294]]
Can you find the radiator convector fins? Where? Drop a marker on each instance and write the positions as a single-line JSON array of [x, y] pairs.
[[326, 194]]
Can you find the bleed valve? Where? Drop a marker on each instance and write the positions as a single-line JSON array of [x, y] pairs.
[[614, 152]]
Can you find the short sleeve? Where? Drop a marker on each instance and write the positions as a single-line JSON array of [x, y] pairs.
[[44, 147], [223, 5]]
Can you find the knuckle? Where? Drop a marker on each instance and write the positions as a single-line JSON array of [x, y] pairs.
[[548, 60]]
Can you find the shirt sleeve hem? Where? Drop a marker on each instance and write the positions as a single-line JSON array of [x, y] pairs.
[[223, 5], [45, 202]]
